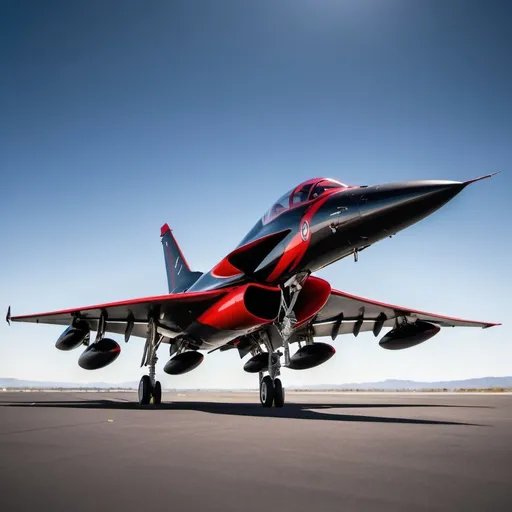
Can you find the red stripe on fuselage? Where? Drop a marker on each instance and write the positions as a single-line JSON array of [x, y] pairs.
[[297, 247]]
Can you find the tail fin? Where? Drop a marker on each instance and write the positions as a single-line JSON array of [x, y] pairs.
[[179, 275]]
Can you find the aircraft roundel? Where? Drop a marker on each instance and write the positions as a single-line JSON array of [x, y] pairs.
[[304, 231]]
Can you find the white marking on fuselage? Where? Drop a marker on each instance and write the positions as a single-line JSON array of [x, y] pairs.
[[179, 271], [176, 264]]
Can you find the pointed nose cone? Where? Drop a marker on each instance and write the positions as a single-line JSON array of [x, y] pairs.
[[439, 188], [399, 205], [425, 194]]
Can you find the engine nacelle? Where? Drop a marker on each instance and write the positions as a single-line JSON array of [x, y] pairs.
[[310, 356], [409, 335], [183, 363], [99, 354], [240, 311], [73, 336], [259, 362], [312, 298]]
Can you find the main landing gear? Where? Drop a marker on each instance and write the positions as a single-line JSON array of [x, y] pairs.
[[271, 392], [271, 387], [150, 390]]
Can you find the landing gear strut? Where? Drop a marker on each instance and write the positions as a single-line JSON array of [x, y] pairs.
[[150, 390]]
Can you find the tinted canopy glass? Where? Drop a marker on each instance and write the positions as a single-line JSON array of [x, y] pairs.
[[306, 191]]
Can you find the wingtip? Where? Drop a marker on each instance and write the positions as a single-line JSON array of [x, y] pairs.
[[481, 178], [164, 229], [488, 326]]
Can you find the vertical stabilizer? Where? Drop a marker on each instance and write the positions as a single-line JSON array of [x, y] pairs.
[[179, 275]]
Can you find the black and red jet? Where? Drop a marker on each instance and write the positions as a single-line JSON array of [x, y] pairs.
[[262, 297]]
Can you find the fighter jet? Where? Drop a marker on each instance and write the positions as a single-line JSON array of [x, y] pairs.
[[262, 298]]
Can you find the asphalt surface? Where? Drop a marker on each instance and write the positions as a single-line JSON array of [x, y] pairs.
[[223, 451]]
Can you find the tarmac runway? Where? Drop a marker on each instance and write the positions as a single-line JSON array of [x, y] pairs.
[[223, 451]]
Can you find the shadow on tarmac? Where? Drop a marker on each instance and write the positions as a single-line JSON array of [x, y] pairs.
[[292, 410]]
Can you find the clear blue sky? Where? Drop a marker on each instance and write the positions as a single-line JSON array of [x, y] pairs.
[[119, 116]]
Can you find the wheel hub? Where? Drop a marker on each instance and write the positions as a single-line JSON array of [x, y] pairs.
[[264, 391]]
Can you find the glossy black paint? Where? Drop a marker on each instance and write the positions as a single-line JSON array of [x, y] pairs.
[[179, 275], [183, 363], [369, 215], [310, 356], [344, 221], [99, 354], [73, 336], [294, 238], [409, 335], [258, 363], [204, 336]]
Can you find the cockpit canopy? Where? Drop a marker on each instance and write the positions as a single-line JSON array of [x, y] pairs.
[[307, 191]]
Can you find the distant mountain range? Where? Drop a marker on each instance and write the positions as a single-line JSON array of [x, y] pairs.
[[390, 384], [17, 383]]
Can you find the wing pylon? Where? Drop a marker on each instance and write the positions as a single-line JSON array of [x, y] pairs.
[[350, 314]]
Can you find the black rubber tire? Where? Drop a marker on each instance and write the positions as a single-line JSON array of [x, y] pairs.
[[266, 391], [145, 390], [157, 393], [278, 393]]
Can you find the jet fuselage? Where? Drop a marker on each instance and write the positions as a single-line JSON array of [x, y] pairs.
[[337, 223]]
